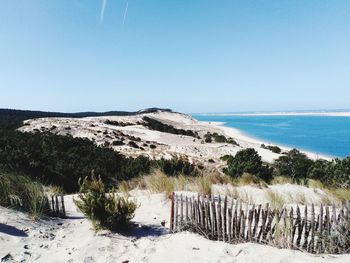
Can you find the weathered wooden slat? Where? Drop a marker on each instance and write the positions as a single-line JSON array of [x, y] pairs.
[[238, 223], [250, 222], [256, 222], [307, 228], [57, 206], [186, 210], [218, 222], [206, 214], [334, 216], [327, 222], [215, 225], [242, 228], [234, 222], [63, 206], [181, 211], [224, 223], [320, 230], [229, 225], [203, 219], [291, 232], [263, 222], [299, 226], [191, 211]]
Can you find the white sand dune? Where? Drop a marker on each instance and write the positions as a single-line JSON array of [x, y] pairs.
[[74, 240], [167, 144]]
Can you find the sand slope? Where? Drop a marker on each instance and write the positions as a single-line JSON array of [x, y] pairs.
[[74, 240], [167, 144]]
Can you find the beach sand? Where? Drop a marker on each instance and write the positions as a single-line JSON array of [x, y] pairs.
[[74, 240]]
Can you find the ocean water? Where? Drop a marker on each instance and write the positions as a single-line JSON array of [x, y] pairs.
[[326, 135]]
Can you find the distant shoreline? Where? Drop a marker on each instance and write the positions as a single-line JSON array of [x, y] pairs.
[[311, 113], [241, 135]]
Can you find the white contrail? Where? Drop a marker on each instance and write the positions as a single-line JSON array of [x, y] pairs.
[[125, 12], [104, 3]]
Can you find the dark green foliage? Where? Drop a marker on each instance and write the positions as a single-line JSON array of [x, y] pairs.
[[335, 173], [162, 127], [209, 137], [118, 123], [62, 160], [117, 143], [105, 210], [339, 175], [11, 119], [152, 146], [272, 148], [133, 144], [248, 161], [225, 157], [295, 165], [177, 166]]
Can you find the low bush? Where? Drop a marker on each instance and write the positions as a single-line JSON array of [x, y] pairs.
[[106, 211], [272, 148], [219, 138], [248, 161], [177, 166], [295, 165]]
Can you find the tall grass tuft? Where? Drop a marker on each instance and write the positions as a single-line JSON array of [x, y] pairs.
[[18, 191], [250, 179], [203, 184], [315, 184], [281, 180], [275, 199], [124, 188], [340, 194], [158, 182], [300, 199]]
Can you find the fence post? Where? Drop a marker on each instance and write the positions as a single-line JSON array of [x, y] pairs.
[[172, 213], [63, 207]]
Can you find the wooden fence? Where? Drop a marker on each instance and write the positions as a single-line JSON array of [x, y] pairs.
[[313, 229], [57, 207]]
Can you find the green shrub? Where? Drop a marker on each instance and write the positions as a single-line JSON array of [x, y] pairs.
[[274, 149], [108, 211], [295, 165], [248, 161], [176, 166]]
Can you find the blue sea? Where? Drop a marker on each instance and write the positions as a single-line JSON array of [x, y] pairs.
[[324, 135]]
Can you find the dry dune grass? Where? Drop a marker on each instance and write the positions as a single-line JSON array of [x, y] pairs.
[[275, 199]]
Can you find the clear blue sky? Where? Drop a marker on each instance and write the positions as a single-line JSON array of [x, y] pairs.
[[188, 55]]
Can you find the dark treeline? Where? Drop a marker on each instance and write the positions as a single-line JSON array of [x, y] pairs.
[[294, 164], [10, 119]]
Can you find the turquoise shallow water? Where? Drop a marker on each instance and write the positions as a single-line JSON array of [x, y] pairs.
[[320, 134]]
